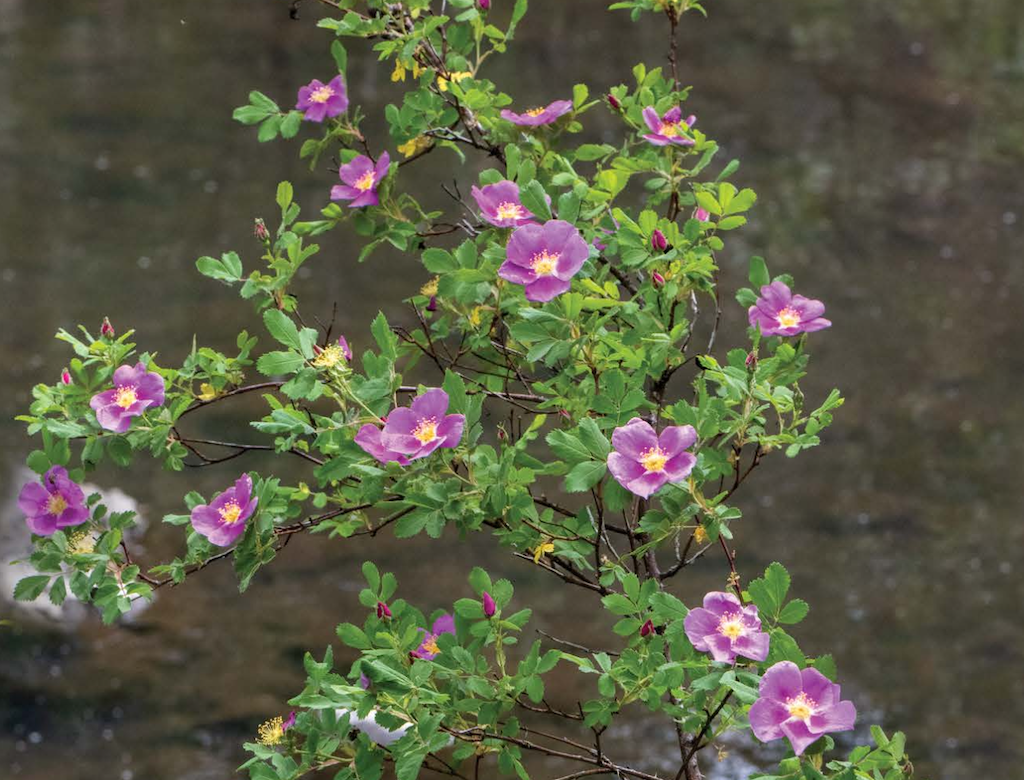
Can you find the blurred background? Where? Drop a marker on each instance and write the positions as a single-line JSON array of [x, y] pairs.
[[886, 142]]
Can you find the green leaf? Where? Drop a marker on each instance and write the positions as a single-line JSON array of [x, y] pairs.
[[535, 200], [794, 611], [584, 476], [274, 363], [759, 276], [567, 446], [284, 195], [353, 636], [594, 439], [29, 588]]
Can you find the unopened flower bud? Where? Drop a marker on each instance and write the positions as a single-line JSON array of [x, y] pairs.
[[485, 5], [65, 377], [701, 215], [106, 329], [432, 303], [691, 120], [364, 681], [658, 241], [260, 230], [647, 629], [751, 361], [489, 606], [383, 611], [658, 279], [614, 102]]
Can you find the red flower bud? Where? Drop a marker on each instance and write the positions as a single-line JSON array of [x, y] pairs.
[[65, 377], [489, 606], [658, 241], [658, 279], [485, 5], [701, 215], [383, 612], [106, 329], [432, 304], [614, 102], [260, 230], [647, 629], [751, 361]]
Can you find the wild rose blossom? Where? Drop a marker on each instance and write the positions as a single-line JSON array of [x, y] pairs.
[[544, 258], [538, 116], [413, 432], [500, 205], [223, 520], [361, 179], [799, 704], [642, 461], [780, 313], [669, 129], [321, 101], [725, 628], [135, 390], [56, 503], [428, 648]]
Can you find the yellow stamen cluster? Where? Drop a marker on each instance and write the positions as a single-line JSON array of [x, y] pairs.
[[535, 112], [426, 431], [56, 504], [543, 264], [230, 513], [430, 288], [510, 210], [321, 94], [271, 732], [654, 459], [415, 146], [81, 542], [430, 644], [788, 318], [366, 181], [801, 706], [700, 535], [669, 129], [731, 626], [125, 396], [442, 82], [330, 357]]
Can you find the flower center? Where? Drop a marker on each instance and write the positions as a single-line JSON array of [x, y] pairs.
[[731, 626], [430, 644], [125, 396], [271, 732], [321, 94], [230, 512], [801, 706], [788, 318], [669, 129], [330, 357], [509, 210], [654, 459], [426, 431], [56, 504], [365, 182], [535, 112], [543, 264]]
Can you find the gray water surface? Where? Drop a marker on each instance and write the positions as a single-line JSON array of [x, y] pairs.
[[886, 142]]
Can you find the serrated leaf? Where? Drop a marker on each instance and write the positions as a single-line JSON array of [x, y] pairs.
[[584, 476]]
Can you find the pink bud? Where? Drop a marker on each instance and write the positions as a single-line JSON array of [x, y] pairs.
[[432, 304], [647, 629], [489, 606], [658, 279], [485, 5], [106, 329], [614, 102], [260, 230], [691, 120], [658, 241], [364, 681], [751, 361], [564, 413], [65, 377], [701, 215], [345, 348], [383, 613]]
